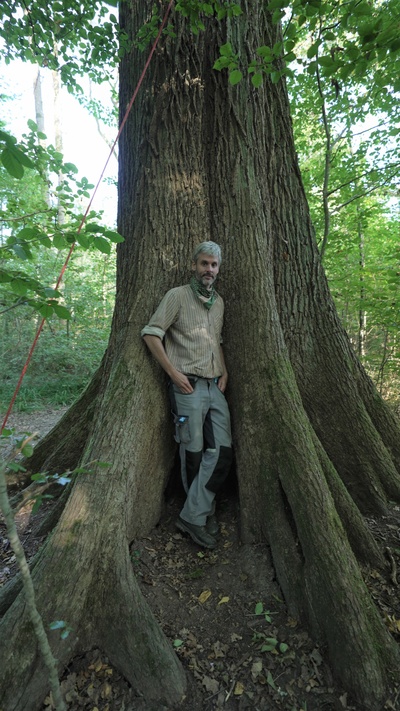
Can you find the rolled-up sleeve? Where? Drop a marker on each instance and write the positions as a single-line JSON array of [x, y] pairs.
[[164, 316]]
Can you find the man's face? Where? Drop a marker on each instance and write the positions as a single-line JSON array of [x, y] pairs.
[[206, 269]]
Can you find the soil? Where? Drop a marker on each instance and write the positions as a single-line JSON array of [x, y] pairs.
[[223, 612]]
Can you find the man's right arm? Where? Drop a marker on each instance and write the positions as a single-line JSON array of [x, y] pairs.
[[156, 348]]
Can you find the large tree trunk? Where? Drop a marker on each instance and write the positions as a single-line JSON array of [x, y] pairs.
[[314, 444]]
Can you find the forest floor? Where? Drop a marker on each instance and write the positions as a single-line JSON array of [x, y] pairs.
[[223, 613]]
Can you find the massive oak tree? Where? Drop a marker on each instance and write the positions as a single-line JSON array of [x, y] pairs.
[[315, 447]]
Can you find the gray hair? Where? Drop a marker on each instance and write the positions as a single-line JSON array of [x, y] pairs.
[[211, 248]]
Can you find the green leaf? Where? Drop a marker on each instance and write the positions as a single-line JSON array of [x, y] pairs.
[[19, 286], [28, 232], [39, 478], [94, 228], [313, 50], [15, 467], [102, 245], [45, 310], [51, 293], [37, 504], [59, 241], [83, 240], [235, 76], [27, 450], [265, 52], [23, 158], [275, 76], [326, 61], [270, 680], [69, 168], [7, 138], [6, 432], [221, 63], [5, 277], [11, 163], [22, 252], [257, 80], [226, 50], [62, 311], [114, 236]]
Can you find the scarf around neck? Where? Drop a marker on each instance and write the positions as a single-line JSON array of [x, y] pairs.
[[206, 296]]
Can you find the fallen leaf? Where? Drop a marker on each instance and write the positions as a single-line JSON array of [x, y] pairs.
[[239, 688], [203, 597], [218, 651], [106, 690], [256, 668], [223, 599], [210, 684], [291, 622]]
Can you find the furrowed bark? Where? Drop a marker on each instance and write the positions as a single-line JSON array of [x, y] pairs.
[[201, 159]]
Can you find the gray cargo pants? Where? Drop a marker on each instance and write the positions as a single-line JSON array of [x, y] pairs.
[[203, 430]]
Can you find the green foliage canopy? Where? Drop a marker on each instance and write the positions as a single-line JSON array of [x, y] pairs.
[[68, 36]]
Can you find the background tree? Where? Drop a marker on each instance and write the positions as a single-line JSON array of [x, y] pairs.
[[315, 445], [40, 211], [345, 112]]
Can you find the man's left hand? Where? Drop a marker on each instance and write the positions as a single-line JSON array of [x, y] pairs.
[[222, 382]]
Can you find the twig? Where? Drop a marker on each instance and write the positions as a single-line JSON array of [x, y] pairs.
[[232, 686]]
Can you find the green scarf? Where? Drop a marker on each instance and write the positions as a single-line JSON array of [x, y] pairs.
[[206, 296]]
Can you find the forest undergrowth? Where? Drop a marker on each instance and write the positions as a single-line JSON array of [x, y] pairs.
[[222, 611]]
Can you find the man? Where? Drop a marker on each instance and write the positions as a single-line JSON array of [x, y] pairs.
[[184, 335]]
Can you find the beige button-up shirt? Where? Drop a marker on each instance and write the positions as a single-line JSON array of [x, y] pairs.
[[191, 332]]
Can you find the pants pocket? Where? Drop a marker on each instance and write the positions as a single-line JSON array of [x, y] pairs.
[[182, 428]]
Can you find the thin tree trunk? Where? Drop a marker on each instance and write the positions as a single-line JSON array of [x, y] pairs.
[[40, 122], [58, 131]]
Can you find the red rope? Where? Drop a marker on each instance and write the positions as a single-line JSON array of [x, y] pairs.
[[124, 120]]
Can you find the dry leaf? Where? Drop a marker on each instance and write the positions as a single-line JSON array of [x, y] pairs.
[[239, 688], [106, 690], [291, 622], [218, 651], [222, 600], [203, 597], [256, 668], [210, 684]]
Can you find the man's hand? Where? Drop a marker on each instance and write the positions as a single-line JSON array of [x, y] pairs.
[[222, 382], [180, 380]]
